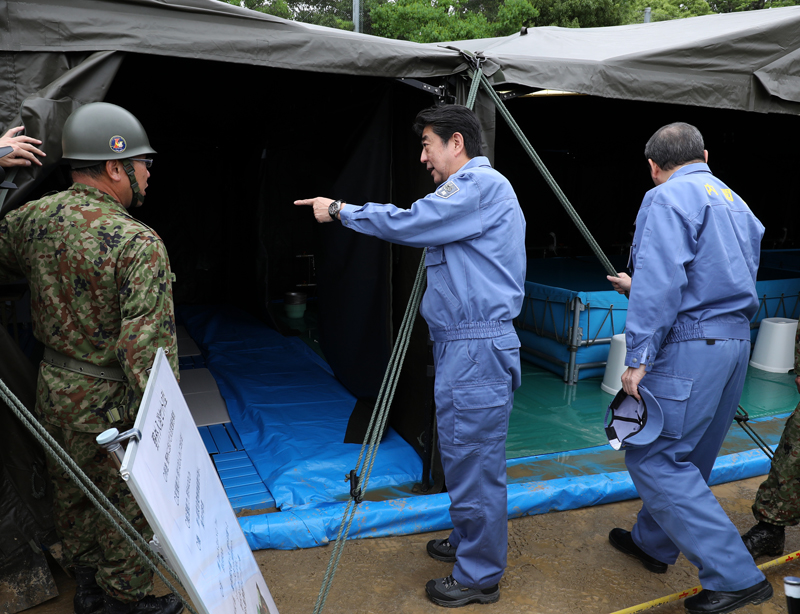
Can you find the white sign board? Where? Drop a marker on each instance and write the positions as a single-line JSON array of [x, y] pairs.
[[175, 483]]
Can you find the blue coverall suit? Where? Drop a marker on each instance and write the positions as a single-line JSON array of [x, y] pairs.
[[695, 254], [475, 233]]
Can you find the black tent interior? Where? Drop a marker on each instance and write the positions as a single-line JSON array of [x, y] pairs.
[[228, 170], [239, 143], [595, 149]]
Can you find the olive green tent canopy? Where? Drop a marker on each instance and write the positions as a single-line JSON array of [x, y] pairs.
[[746, 61], [60, 54], [210, 30]]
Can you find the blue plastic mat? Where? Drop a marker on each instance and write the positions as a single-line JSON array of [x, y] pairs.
[[289, 410], [317, 526], [290, 415]]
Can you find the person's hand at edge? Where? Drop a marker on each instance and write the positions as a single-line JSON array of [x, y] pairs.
[[631, 379], [621, 283], [320, 206], [24, 149]]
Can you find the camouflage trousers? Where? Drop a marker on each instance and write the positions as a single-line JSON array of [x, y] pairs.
[[88, 537], [778, 497]]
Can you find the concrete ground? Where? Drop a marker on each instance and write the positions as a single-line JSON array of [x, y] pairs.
[[558, 563]]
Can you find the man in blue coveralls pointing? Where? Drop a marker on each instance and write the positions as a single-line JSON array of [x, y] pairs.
[[694, 258], [474, 232]]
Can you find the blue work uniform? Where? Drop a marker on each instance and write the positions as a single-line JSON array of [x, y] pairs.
[[695, 255], [474, 230]]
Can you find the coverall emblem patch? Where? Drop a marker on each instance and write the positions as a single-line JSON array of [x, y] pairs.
[[447, 190]]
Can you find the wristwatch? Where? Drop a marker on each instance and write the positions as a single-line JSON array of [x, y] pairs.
[[333, 208]]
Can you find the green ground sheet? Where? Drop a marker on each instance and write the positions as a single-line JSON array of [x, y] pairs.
[[550, 416]]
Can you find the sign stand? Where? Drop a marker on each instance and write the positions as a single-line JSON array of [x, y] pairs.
[[177, 487]]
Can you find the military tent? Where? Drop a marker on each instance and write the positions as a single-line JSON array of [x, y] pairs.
[[249, 112]]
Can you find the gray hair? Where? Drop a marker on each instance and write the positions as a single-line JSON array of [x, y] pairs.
[[675, 145]]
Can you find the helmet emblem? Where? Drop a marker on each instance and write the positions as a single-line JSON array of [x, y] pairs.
[[117, 144]]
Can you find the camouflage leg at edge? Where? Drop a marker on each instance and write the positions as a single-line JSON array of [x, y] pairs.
[[778, 498], [70, 507], [120, 571]]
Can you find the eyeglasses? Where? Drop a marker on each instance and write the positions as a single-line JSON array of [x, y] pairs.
[[148, 162]]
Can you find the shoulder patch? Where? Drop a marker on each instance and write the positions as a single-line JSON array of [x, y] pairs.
[[447, 190]]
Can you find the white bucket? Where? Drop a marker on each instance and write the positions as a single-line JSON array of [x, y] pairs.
[[615, 367], [294, 303], [774, 349]]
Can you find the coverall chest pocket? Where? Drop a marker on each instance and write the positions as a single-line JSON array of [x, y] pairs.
[[480, 413], [438, 275], [672, 394]]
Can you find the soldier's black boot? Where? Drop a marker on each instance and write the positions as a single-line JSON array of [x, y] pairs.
[[168, 604], [88, 595], [765, 539]]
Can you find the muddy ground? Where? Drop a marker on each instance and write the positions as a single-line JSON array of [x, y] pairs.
[[558, 563]]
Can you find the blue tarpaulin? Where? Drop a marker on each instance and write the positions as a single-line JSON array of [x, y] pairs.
[[317, 526], [289, 410], [291, 415]]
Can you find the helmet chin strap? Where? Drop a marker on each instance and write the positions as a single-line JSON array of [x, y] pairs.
[[138, 197]]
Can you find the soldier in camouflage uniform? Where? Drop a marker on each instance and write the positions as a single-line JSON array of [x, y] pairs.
[[777, 504], [101, 303]]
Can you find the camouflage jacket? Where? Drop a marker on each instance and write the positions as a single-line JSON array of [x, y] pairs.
[[101, 292], [797, 350]]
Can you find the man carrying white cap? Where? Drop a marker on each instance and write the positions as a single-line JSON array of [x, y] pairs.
[[695, 254]]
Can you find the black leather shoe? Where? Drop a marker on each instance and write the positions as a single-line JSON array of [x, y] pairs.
[[168, 604], [88, 595], [622, 540], [719, 602], [441, 550], [765, 539], [447, 592]]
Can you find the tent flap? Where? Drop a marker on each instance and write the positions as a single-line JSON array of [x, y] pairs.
[[44, 113], [781, 77]]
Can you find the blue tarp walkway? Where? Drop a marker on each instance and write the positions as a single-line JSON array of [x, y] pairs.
[[289, 415]]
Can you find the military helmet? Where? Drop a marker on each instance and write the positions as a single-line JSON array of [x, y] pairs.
[[101, 131]]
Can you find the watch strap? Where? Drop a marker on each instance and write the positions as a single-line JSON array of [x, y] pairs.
[[333, 208]]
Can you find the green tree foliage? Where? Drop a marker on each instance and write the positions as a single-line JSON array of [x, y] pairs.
[[426, 21], [330, 13], [732, 6], [430, 21], [580, 13], [279, 8], [514, 15], [663, 10]]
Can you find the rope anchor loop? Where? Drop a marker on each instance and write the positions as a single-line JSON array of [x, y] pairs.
[[355, 491], [473, 59]]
